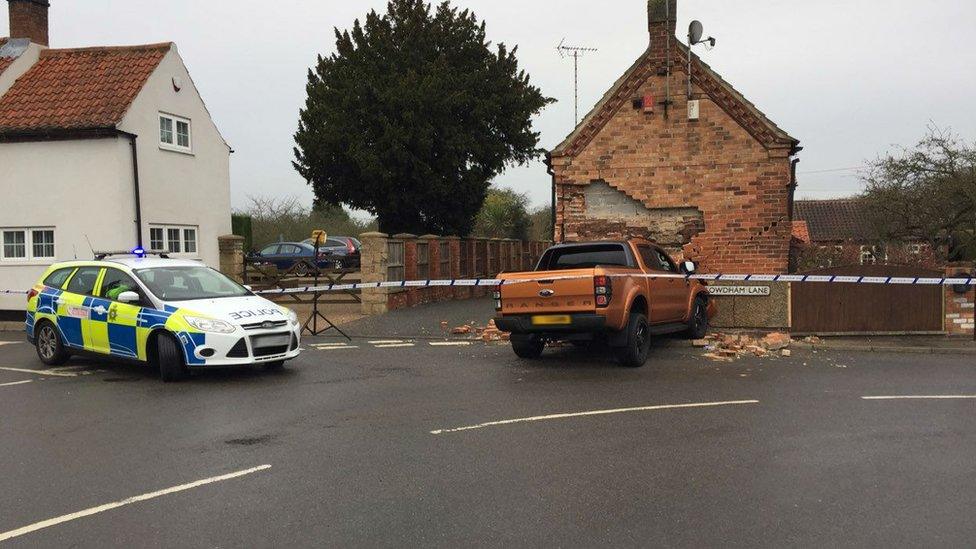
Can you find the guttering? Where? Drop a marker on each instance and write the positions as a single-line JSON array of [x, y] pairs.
[[55, 134], [135, 182]]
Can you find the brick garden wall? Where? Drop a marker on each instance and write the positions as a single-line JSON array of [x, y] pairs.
[[444, 258]]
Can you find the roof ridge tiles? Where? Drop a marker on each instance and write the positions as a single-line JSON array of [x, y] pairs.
[[52, 52]]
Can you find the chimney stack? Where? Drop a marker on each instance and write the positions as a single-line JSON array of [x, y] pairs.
[[28, 19], [662, 17]]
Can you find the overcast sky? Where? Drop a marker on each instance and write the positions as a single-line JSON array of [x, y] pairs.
[[850, 79]]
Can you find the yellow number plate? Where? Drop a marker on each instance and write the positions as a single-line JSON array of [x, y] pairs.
[[552, 320]]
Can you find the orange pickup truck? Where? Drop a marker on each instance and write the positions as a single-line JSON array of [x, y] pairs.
[[599, 291]]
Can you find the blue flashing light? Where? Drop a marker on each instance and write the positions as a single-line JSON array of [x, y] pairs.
[[139, 252]]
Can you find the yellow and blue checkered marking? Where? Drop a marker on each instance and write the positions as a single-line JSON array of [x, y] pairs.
[[116, 329]]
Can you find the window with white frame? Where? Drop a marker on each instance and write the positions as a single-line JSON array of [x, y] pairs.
[[872, 255], [173, 239], [174, 133], [915, 249], [26, 244], [867, 256]]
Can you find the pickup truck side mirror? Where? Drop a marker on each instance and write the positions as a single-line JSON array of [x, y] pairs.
[[129, 297], [689, 267]]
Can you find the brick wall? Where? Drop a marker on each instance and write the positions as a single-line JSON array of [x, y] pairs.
[[959, 306], [483, 258], [707, 189]]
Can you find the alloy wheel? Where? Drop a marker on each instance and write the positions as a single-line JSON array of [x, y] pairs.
[[47, 342]]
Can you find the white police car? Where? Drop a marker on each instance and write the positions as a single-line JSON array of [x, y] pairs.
[[179, 315]]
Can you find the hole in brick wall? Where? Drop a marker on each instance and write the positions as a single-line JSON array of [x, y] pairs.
[[610, 213]]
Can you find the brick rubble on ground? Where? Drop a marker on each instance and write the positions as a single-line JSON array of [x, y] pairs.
[[730, 347]]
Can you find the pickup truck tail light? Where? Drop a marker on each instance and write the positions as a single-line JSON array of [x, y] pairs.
[[602, 291], [497, 296]]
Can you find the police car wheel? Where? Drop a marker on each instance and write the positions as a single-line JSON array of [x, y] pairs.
[[50, 348], [171, 366]]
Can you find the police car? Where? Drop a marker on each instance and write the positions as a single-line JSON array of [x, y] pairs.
[[177, 315]]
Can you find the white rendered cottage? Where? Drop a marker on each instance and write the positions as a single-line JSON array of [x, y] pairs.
[[107, 145]]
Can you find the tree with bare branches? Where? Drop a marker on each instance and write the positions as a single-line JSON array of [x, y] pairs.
[[926, 193]]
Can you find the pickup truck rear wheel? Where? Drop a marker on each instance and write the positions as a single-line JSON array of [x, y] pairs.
[[634, 355], [698, 323], [528, 347]]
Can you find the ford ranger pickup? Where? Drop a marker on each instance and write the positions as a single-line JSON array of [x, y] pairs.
[[603, 292]]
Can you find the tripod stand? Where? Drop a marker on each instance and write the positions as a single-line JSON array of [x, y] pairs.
[[312, 324]]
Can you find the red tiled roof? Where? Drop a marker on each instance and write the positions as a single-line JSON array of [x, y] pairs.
[[801, 231], [833, 220], [79, 89], [5, 62]]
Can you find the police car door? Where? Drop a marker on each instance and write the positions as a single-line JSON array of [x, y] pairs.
[[75, 308], [122, 331]]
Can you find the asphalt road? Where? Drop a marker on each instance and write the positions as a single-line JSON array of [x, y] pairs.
[[347, 433]]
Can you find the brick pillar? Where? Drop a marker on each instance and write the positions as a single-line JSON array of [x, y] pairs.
[[428, 295], [374, 254], [231, 249], [455, 243], [959, 305], [408, 297]]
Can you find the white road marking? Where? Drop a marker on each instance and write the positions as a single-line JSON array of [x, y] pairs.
[[450, 343], [2, 343], [394, 346], [67, 369], [329, 345], [128, 501], [594, 413], [38, 372], [337, 348], [921, 397], [16, 383], [387, 342]]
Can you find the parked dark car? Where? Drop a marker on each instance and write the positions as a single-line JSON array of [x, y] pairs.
[[343, 251], [334, 255]]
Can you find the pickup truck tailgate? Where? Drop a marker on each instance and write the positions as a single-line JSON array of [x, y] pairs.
[[555, 295]]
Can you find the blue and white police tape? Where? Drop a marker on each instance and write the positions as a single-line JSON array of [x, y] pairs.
[[490, 282]]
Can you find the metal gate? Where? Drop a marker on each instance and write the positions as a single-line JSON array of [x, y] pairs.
[[834, 308]]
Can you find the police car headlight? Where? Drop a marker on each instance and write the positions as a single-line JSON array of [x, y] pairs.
[[209, 325], [292, 316]]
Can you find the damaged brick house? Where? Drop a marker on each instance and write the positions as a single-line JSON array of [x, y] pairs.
[[711, 177]]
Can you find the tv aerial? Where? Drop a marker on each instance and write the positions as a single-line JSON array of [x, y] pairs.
[[695, 32], [575, 52]]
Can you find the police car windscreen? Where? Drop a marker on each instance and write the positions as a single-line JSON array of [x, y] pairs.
[[189, 283], [584, 257]]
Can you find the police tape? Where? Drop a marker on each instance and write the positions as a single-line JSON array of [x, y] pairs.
[[493, 282]]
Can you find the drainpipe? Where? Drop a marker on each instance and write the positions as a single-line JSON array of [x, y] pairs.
[[793, 184], [135, 181], [552, 213]]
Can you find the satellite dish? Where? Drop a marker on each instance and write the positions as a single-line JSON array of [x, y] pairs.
[[695, 32]]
